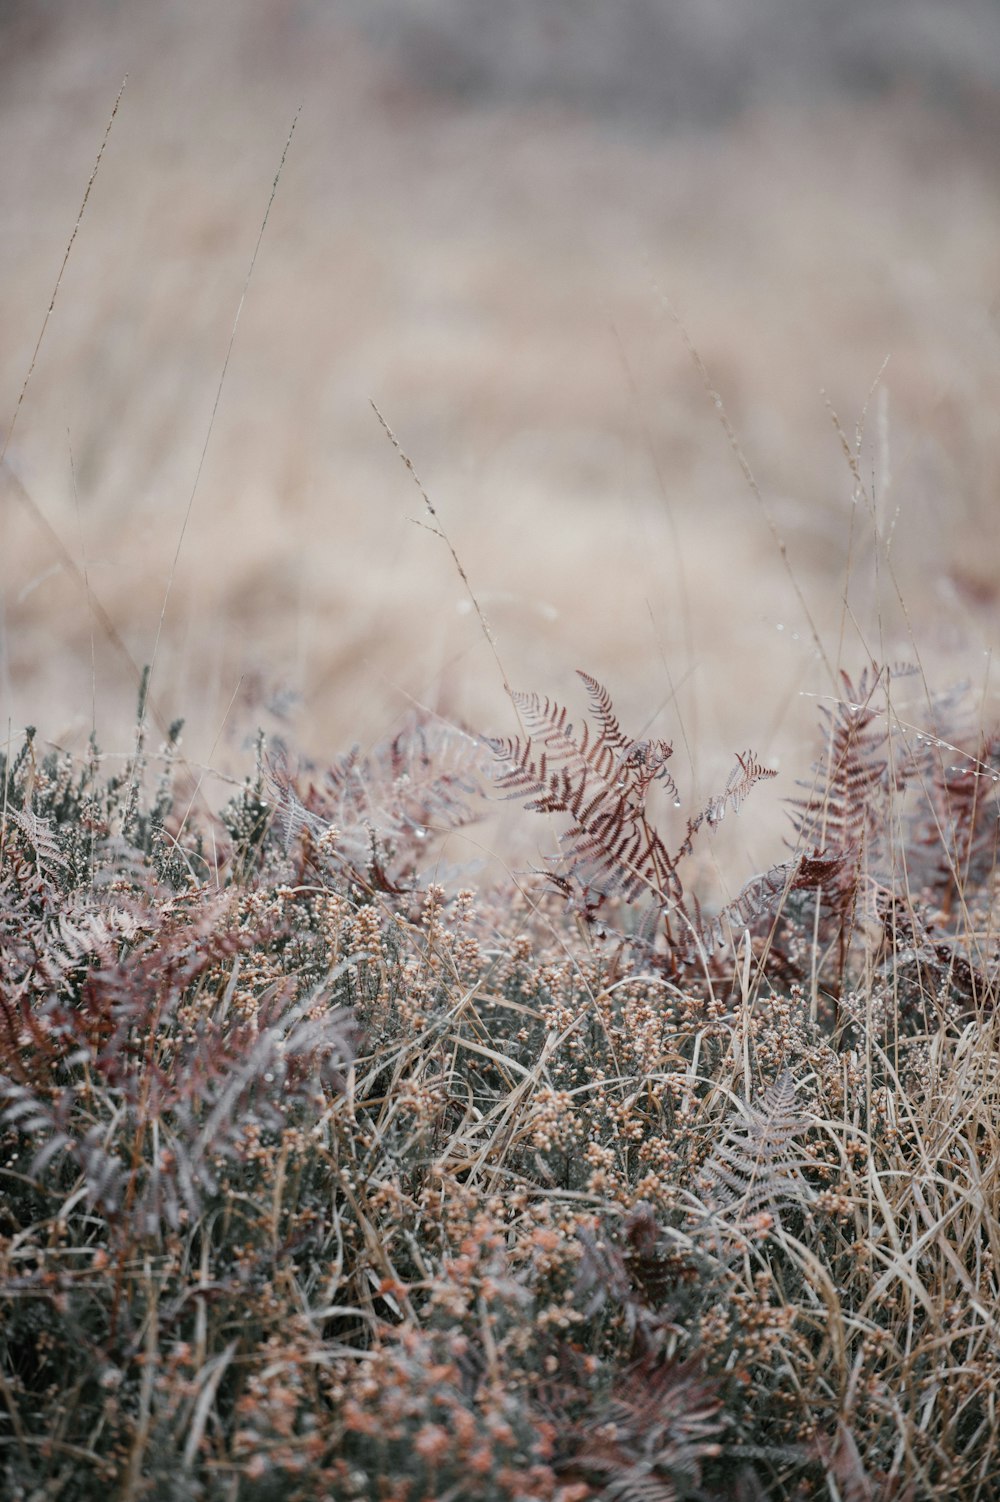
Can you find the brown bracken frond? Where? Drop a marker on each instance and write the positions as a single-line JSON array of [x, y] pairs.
[[652, 1433], [845, 809], [601, 779]]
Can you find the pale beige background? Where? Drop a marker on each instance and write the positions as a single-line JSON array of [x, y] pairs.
[[487, 251]]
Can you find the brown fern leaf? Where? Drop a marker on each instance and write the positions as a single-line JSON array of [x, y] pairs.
[[640, 1278], [764, 895], [604, 714], [614, 842], [955, 839], [636, 764], [601, 781], [383, 807], [852, 779], [942, 965], [818, 871], [747, 772], [761, 897], [651, 1435], [548, 723], [630, 765], [745, 776], [842, 826], [291, 817]]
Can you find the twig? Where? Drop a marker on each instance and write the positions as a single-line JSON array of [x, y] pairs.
[[748, 474], [62, 268], [438, 530], [215, 404]]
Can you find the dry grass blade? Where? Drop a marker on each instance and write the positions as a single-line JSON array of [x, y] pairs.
[[55, 291]]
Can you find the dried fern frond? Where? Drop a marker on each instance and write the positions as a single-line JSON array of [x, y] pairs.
[[291, 817], [648, 1439], [762, 895], [40, 837], [745, 776], [939, 966], [954, 838], [755, 1168], [600, 779], [852, 780], [376, 812]]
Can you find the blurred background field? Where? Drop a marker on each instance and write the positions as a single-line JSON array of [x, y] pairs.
[[487, 213]]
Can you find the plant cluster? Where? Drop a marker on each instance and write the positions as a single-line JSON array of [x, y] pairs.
[[324, 1175]]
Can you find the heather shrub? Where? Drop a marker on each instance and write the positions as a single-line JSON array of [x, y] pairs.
[[326, 1174]]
